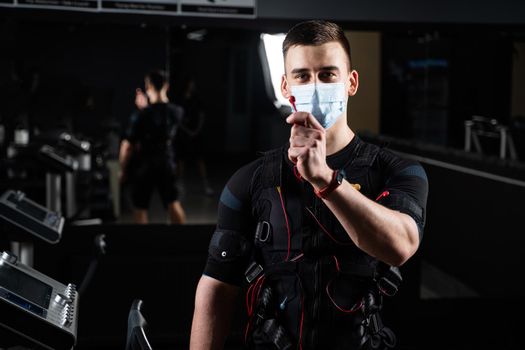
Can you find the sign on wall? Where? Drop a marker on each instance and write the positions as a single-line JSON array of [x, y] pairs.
[[236, 8], [59, 4], [209, 8], [168, 7]]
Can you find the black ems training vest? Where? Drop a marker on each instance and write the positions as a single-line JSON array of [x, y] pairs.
[[310, 286]]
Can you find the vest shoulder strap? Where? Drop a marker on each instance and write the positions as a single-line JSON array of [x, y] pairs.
[[366, 155], [272, 168]]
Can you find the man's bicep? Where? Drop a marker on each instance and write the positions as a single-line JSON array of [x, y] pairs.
[[407, 191], [209, 286], [230, 247]]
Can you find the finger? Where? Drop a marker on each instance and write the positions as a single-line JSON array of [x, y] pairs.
[[297, 118], [304, 118], [313, 123], [294, 153], [292, 158], [301, 141], [298, 130]]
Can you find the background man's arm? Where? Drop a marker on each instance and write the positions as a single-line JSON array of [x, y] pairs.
[[214, 304], [126, 149]]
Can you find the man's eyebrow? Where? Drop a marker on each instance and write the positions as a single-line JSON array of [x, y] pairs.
[[306, 70], [330, 68], [299, 70]]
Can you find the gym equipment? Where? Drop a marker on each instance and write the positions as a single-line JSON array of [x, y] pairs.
[[25, 216], [22, 212], [35, 308], [136, 337], [479, 128]]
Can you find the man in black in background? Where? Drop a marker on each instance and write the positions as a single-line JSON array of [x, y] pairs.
[[147, 155], [317, 227]]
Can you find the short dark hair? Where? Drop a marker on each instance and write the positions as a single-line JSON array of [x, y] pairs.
[[158, 78], [316, 32]]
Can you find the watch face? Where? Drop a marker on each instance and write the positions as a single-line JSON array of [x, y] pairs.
[[340, 176]]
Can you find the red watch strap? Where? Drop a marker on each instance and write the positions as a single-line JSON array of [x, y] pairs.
[[324, 192]]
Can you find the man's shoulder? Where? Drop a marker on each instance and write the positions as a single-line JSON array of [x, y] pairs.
[[174, 106], [391, 156], [249, 168], [265, 164], [274, 150], [371, 147], [176, 110], [162, 107], [396, 162], [135, 115], [145, 113], [383, 151], [257, 172], [241, 182]]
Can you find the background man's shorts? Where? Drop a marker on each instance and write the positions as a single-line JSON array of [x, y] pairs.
[[147, 178]]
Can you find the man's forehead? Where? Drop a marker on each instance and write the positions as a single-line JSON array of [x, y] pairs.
[[331, 54]]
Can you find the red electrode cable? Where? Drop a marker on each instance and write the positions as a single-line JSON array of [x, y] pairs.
[[292, 102], [286, 220], [383, 194]]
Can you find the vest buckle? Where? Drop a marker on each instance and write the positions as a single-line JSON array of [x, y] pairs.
[[262, 232], [253, 271], [390, 281]]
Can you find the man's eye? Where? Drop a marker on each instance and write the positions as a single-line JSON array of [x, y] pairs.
[[301, 76], [327, 75]]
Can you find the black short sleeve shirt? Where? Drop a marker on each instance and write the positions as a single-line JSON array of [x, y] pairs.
[[405, 189]]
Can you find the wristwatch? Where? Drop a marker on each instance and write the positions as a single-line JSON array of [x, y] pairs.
[[337, 179]]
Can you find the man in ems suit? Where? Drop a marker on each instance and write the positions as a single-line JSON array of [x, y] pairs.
[[316, 228]]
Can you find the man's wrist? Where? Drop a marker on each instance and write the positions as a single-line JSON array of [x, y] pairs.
[[337, 179], [323, 180]]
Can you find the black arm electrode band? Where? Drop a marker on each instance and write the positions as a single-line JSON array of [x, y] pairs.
[[226, 245], [405, 204]]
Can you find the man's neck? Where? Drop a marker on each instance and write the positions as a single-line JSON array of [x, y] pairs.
[[338, 136], [160, 98]]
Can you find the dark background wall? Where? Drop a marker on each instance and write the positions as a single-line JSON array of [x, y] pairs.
[[435, 80], [82, 76], [407, 11], [82, 73]]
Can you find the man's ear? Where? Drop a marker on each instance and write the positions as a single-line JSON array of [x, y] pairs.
[[285, 88], [353, 78]]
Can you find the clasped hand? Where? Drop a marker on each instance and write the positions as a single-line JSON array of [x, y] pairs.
[[308, 148]]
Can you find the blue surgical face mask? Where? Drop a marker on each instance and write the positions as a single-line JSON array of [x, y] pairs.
[[326, 102]]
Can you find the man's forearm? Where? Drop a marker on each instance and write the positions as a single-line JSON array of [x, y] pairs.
[[214, 301], [388, 235]]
